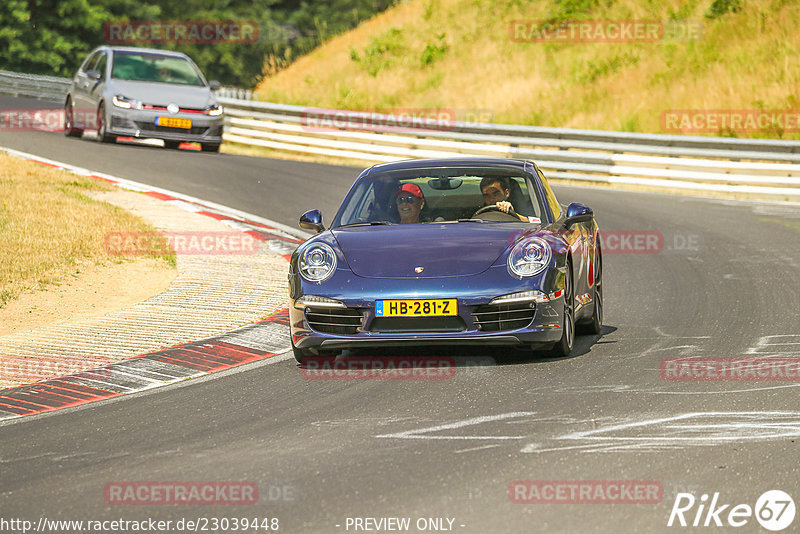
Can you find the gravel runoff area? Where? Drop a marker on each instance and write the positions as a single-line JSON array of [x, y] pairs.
[[212, 293]]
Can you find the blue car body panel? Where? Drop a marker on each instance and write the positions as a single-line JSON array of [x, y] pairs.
[[466, 261]]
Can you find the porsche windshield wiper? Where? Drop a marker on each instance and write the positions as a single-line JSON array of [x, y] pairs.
[[370, 223], [471, 220]]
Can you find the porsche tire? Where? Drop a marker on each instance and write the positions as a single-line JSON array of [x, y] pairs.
[[564, 346], [595, 324]]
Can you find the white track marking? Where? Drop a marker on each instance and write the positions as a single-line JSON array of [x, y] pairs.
[[477, 448], [679, 431], [719, 392], [535, 447], [776, 345], [596, 433], [186, 206], [422, 432]]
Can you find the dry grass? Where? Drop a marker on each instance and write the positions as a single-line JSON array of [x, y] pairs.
[[50, 228], [744, 60]]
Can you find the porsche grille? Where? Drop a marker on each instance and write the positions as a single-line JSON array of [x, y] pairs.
[[497, 317], [334, 320]]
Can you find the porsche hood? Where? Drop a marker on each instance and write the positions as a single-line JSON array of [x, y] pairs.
[[425, 250]]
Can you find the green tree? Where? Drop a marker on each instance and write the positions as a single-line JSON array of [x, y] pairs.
[[53, 36], [44, 36]]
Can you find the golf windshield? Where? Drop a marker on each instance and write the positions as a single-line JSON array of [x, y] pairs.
[[145, 67]]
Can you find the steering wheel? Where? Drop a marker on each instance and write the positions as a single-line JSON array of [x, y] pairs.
[[493, 207]]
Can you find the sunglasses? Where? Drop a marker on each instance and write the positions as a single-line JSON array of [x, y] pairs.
[[408, 198]]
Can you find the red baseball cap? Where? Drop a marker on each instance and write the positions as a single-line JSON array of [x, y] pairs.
[[410, 188]]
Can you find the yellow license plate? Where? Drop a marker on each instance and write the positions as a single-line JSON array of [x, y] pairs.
[[415, 308], [173, 122]]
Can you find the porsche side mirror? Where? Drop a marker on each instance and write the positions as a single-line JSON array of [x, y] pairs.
[[312, 220], [93, 75], [578, 213]]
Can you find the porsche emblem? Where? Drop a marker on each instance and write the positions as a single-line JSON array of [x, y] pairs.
[[419, 269]]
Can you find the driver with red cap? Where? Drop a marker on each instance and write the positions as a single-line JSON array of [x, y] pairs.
[[410, 201]]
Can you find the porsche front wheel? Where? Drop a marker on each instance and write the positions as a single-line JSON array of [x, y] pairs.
[[564, 346], [595, 324]]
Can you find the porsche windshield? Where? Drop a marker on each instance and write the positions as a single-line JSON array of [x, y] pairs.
[[441, 195]]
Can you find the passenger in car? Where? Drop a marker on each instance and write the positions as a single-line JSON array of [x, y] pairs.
[[410, 201], [165, 75]]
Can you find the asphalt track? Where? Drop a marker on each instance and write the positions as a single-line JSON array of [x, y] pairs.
[[725, 284]]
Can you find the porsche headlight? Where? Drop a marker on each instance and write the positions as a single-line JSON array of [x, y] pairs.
[[529, 257], [317, 262]]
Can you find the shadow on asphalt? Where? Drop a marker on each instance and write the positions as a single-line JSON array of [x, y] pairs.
[[463, 356]]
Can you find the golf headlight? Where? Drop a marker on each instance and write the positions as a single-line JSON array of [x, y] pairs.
[[215, 110], [317, 262], [529, 257], [126, 103]]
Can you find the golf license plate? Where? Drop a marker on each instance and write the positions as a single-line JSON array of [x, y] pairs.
[[415, 308], [174, 122]]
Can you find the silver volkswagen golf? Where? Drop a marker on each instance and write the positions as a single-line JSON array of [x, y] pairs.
[[143, 93]]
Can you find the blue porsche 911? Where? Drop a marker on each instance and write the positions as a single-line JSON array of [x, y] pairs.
[[472, 251]]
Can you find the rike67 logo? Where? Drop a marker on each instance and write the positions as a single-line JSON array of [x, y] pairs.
[[774, 511]]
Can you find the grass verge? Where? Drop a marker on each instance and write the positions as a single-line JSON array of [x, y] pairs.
[[50, 228]]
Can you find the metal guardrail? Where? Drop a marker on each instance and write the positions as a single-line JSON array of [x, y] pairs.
[[55, 88], [702, 164], [556, 137], [34, 86], [753, 166], [235, 93]]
